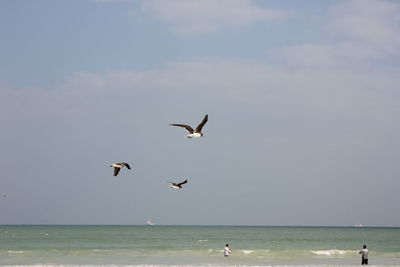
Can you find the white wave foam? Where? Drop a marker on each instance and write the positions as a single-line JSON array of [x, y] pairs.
[[329, 252], [101, 250], [247, 252], [202, 240], [16, 251]]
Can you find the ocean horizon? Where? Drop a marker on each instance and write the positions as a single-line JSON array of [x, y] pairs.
[[201, 225], [188, 245]]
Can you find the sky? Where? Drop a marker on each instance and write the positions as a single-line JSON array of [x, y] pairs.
[[302, 96]]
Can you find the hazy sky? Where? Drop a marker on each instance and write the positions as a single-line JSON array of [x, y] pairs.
[[302, 96]]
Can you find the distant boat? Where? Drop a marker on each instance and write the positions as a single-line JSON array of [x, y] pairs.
[[358, 225], [149, 222]]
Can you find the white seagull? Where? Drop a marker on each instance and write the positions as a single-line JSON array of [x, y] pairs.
[[193, 133], [177, 185], [118, 166]]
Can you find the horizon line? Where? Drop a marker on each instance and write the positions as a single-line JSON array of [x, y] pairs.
[[210, 225]]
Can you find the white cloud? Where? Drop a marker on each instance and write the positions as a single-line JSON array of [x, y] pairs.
[[245, 81], [328, 54], [194, 17], [375, 23], [359, 31], [372, 21], [235, 81]]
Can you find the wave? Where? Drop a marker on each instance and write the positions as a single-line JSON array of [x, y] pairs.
[[257, 252], [16, 251], [101, 250], [332, 252], [187, 258], [247, 252]]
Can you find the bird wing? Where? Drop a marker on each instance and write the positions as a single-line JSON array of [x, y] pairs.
[[116, 171], [127, 165], [181, 183], [187, 127], [200, 126]]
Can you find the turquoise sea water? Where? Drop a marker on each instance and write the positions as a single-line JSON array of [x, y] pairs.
[[196, 246]]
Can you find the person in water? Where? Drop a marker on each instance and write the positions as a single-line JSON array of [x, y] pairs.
[[364, 255], [227, 250]]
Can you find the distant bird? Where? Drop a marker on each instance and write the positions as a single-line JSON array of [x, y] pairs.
[[193, 133], [177, 185], [118, 166]]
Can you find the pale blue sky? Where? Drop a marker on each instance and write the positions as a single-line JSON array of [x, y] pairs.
[[105, 36], [302, 98]]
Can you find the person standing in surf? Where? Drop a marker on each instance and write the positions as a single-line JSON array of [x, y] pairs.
[[364, 255], [227, 250]]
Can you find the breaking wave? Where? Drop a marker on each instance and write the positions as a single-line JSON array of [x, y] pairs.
[[332, 252], [16, 251]]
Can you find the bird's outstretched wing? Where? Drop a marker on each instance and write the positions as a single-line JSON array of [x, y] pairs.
[[187, 127], [116, 171], [127, 165], [200, 126], [181, 183]]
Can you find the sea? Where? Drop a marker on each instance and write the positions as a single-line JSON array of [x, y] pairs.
[[154, 245]]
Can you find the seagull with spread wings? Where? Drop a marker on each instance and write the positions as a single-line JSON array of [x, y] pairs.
[[193, 133], [177, 185], [117, 167]]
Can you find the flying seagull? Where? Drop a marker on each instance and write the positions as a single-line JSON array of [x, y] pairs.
[[177, 185], [118, 166], [193, 133]]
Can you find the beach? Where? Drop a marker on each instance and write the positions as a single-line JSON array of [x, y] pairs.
[[196, 246]]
